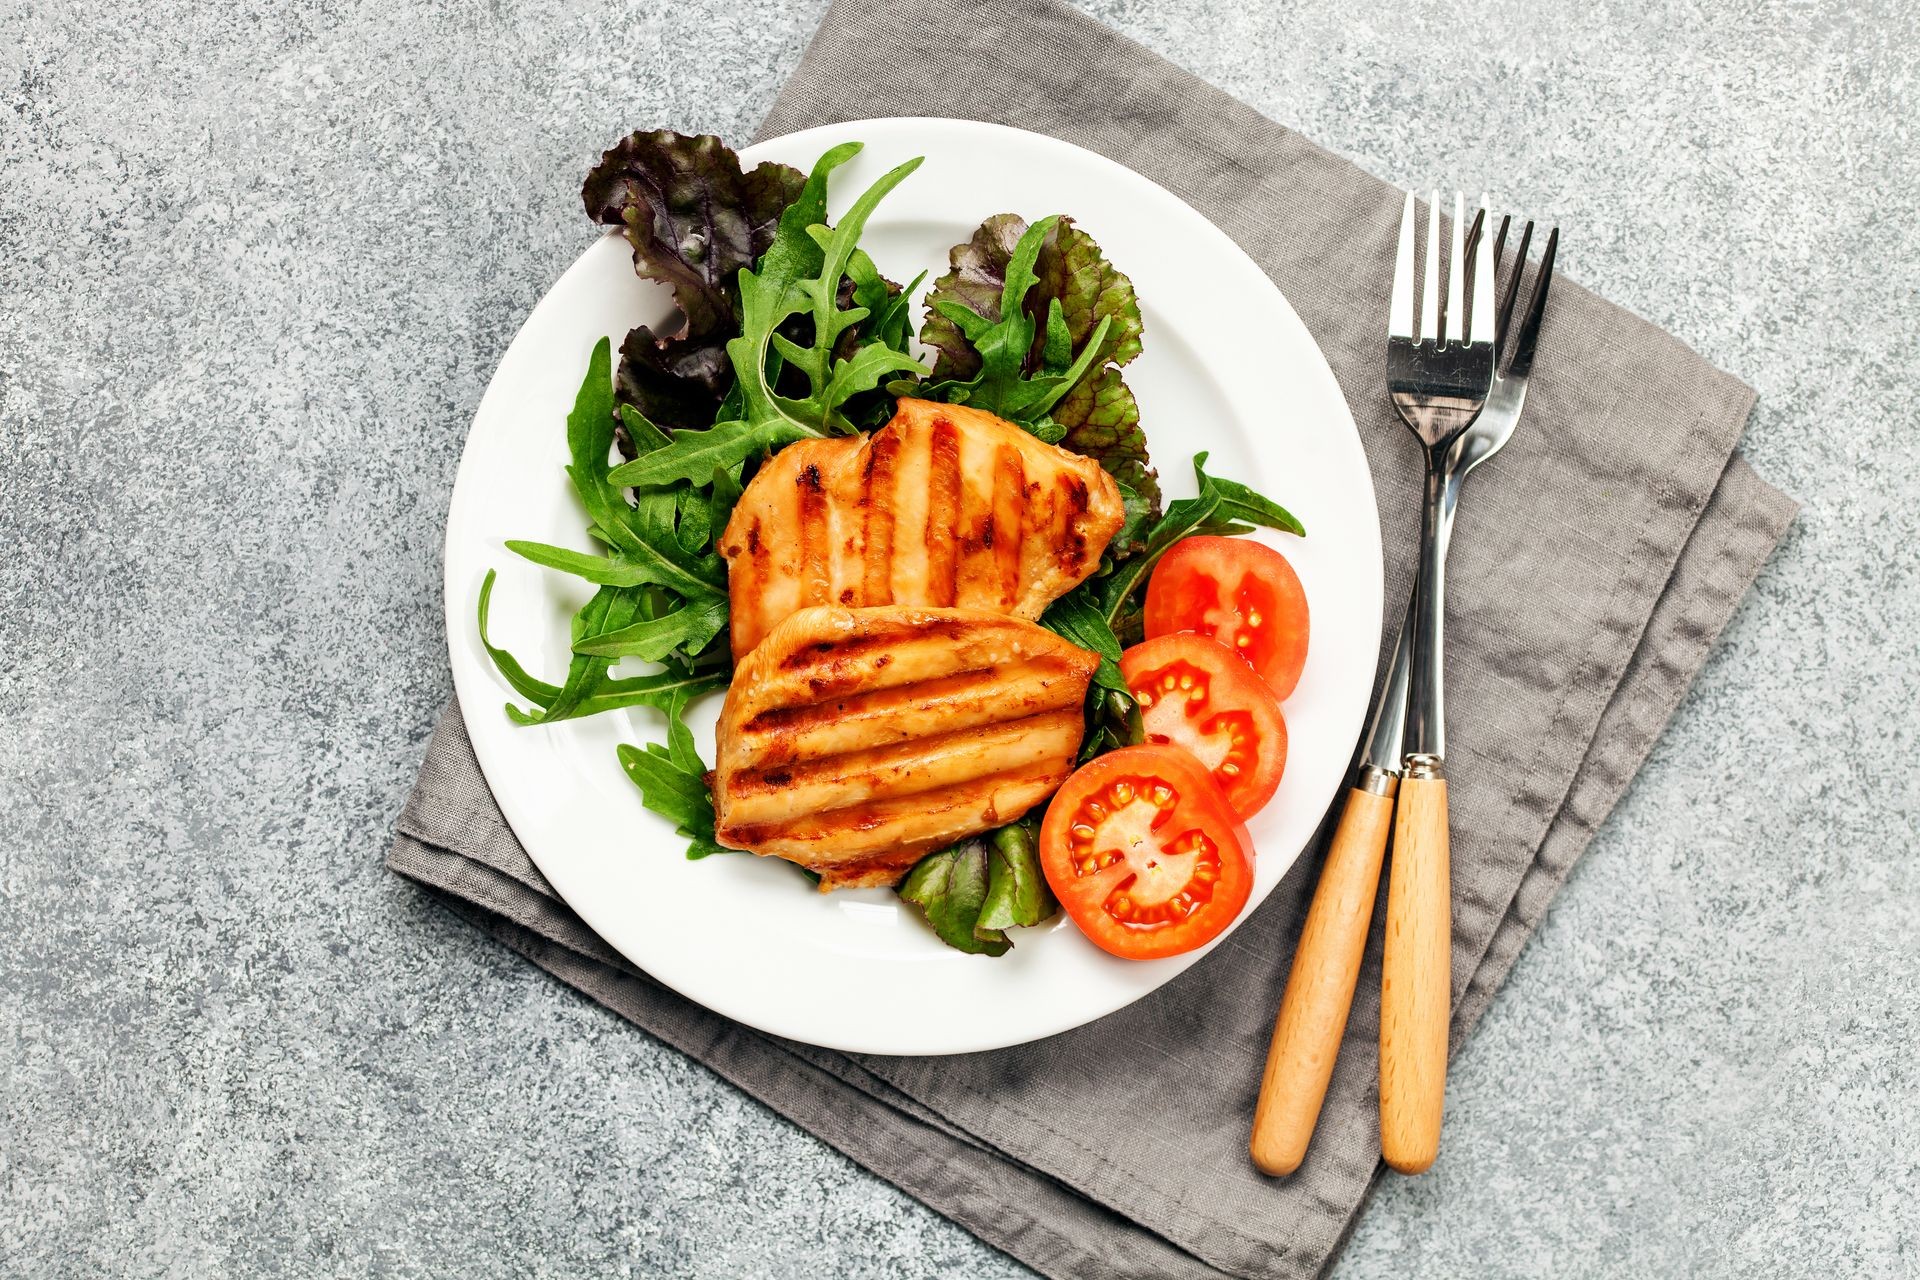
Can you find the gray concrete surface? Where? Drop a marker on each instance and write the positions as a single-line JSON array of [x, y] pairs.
[[259, 261]]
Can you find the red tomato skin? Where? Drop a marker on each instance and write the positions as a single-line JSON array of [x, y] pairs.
[[1200, 801], [1215, 585], [1238, 689]]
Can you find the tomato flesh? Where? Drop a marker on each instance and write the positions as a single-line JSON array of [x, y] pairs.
[[1144, 853], [1242, 593], [1194, 693]]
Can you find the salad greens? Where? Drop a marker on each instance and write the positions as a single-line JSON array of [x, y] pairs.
[[658, 598], [1033, 323], [789, 332], [797, 275], [975, 890], [694, 220]]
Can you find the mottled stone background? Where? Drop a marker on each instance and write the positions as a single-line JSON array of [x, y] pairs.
[[259, 261]]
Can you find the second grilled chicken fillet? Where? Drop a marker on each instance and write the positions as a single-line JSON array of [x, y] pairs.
[[944, 506], [853, 741]]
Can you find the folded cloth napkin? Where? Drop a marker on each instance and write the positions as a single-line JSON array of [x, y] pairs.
[[1596, 562]]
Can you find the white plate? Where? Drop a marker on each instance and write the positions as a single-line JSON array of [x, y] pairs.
[[1227, 368]]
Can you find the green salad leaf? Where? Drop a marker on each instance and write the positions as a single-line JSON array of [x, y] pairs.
[[797, 276], [1017, 892], [1025, 363], [1103, 613], [1218, 507], [1033, 323], [673, 781], [950, 886], [973, 891], [659, 598]]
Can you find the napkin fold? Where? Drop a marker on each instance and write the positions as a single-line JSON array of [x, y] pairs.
[[1594, 565]]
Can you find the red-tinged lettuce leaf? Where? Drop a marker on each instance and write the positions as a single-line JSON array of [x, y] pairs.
[[1074, 282], [674, 383], [1102, 421], [1072, 269], [693, 218], [977, 271]]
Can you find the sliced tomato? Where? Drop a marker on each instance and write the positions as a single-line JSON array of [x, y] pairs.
[[1142, 850], [1242, 593], [1195, 694]]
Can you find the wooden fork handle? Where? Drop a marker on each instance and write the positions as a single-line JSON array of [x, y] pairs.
[[1416, 977], [1313, 1012]]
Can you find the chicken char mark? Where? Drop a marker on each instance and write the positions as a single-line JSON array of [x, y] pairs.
[[945, 506], [855, 740]]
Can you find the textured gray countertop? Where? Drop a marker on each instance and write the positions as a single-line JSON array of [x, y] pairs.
[[259, 261]]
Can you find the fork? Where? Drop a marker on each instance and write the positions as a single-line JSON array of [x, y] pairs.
[[1416, 962], [1319, 992]]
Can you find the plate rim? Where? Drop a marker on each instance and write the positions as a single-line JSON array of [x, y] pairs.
[[457, 612]]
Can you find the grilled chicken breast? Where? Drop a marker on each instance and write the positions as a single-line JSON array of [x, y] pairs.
[[853, 741], [944, 506]]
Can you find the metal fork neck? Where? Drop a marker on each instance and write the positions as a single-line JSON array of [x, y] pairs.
[[1426, 699]]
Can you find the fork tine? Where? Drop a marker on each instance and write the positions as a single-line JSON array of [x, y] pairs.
[[1512, 293], [1457, 273], [1484, 281], [1530, 327], [1430, 296], [1501, 286], [1400, 312]]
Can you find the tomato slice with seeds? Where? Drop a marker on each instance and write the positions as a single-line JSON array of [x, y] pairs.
[[1195, 694], [1144, 853], [1242, 593]]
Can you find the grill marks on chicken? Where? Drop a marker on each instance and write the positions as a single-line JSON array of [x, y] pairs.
[[945, 506], [853, 741]]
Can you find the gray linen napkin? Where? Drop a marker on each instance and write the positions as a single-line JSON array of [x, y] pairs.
[[1597, 561]]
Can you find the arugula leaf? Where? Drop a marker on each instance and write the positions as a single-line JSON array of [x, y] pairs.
[[1102, 613], [657, 600], [674, 793], [1238, 502], [1023, 370], [1129, 539], [673, 780], [1219, 505], [950, 886], [797, 276], [531, 688], [656, 690], [697, 455], [1017, 893], [609, 610], [1077, 616], [975, 281], [726, 492], [602, 570], [642, 435], [1006, 321], [690, 628], [1113, 721]]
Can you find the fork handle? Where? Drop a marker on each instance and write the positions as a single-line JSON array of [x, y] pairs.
[[1326, 965], [1416, 973]]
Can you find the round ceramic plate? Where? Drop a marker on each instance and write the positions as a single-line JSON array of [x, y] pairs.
[[1227, 368]]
